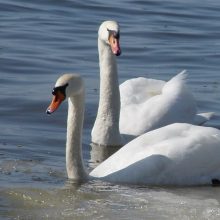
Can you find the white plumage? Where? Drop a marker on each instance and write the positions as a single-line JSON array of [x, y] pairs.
[[155, 104], [177, 154]]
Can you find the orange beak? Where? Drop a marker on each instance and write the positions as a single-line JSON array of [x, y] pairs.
[[56, 101], [115, 46]]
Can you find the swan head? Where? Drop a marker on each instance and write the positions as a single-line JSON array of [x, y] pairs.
[[109, 33], [67, 85]]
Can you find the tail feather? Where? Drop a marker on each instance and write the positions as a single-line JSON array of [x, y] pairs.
[[176, 83], [182, 76], [202, 118]]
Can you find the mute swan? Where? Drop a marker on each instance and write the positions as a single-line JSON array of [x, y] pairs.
[[177, 154], [142, 104]]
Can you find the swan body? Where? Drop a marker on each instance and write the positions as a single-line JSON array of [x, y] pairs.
[[140, 104], [155, 103], [177, 154]]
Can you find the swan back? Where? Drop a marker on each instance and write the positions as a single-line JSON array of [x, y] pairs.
[[172, 155], [166, 103]]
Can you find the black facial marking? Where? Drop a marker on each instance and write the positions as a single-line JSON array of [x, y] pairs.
[[61, 89], [114, 33]]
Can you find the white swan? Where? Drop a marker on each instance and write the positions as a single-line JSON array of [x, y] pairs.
[[146, 104], [178, 154]]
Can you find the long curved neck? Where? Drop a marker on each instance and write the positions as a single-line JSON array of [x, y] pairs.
[[74, 160], [106, 127]]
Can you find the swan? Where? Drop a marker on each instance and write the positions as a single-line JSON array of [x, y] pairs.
[[140, 104], [177, 154]]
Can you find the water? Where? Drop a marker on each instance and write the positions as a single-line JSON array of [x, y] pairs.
[[39, 40]]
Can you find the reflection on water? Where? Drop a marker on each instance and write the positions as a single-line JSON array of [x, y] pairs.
[[98, 200], [99, 153]]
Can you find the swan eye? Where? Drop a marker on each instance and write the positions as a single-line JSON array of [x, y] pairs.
[[61, 89], [115, 34]]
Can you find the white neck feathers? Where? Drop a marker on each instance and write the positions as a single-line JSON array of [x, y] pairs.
[[106, 127], [74, 160]]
